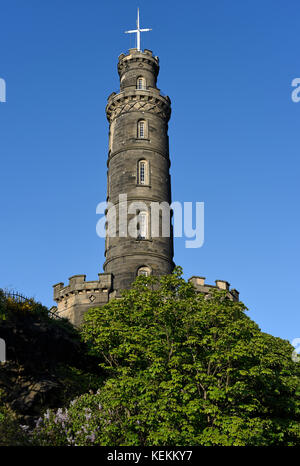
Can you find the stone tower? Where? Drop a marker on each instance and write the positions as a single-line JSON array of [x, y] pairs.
[[138, 168]]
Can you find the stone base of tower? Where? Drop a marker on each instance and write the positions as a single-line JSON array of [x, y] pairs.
[[75, 299]]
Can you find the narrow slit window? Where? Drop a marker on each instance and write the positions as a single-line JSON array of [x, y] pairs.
[[141, 83], [141, 129], [143, 225], [142, 172]]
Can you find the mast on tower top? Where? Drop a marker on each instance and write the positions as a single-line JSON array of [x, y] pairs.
[[138, 31]]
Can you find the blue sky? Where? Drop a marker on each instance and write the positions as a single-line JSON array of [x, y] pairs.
[[234, 140]]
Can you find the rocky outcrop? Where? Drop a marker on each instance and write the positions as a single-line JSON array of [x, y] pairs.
[[26, 394], [40, 352]]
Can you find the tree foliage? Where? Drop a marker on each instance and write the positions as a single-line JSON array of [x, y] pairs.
[[181, 370]]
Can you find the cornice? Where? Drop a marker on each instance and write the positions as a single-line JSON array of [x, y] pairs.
[[138, 147], [144, 253], [141, 101]]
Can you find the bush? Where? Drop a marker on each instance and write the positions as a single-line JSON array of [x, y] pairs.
[[11, 433], [181, 370]]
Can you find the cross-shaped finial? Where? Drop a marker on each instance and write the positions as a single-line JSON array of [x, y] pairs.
[[138, 31]]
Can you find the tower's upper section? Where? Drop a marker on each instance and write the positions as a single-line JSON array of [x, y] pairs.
[[136, 65], [138, 73]]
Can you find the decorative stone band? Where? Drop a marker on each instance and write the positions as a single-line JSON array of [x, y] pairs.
[[137, 253], [138, 102], [131, 146], [147, 199], [201, 287]]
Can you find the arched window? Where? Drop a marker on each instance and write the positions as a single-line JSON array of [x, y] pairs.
[[143, 225], [141, 129], [142, 175], [141, 83], [144, 271]]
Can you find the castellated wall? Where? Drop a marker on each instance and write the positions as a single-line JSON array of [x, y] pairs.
[[202, 287], [76, 298]]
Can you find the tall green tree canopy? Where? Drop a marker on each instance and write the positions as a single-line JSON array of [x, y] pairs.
[[185, 369]]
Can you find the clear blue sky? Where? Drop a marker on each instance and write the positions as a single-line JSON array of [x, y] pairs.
[[234, 140]]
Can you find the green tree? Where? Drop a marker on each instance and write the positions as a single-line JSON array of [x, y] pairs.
[[183, 370]]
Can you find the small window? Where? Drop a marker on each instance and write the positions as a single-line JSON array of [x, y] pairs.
[[142, 172], [144, 271], [142, 175], [141, 129], [143, 225], [141, 83]]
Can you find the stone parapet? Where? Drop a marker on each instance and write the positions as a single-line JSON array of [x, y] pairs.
[[202, 287], [78, 296], [137, 59]]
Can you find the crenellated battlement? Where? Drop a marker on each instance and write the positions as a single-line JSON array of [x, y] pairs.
[[202, 287], [138, 59], [79, 295], [74, 299]]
